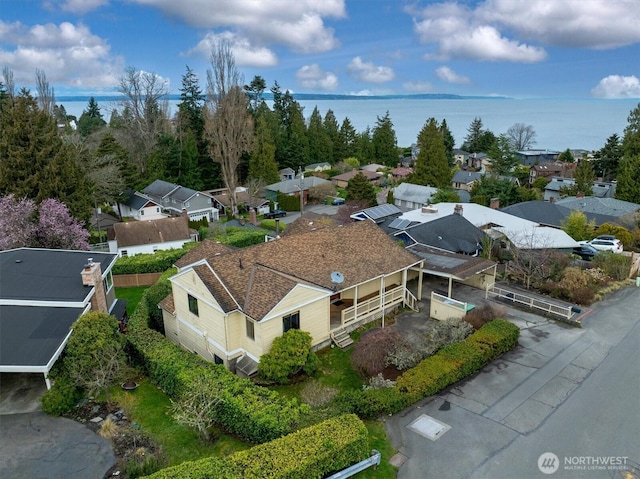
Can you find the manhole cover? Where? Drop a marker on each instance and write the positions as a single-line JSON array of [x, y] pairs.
[[429, 427]]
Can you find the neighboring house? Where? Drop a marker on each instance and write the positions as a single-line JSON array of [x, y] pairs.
[[551, 213], [317, 167], [549, 170], [147, 237], [410, 196], [460, 158], [42, 293], [223, 201], [293, 187], [175, 198], [287, 174], [519, 232], [611, 209], [342, 180], [478, 161], [600, 189], [372, 167], [400, 173], [536, 157], [453, 233], [140, 207], [228, 305], [464, 180], [382, 215]]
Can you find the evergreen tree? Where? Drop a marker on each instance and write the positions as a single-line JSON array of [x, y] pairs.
[[478, 139], [319, 141], [566, 156], [297, 143], [366, 150], [347, 142], [254, 91], [384, 141], [503, 157], [333, 132], [432, 166], [585, 177], [91, 119], [608, 158], [628, 187], [359, 188], [449, 142], [35, 162], [262, 165]]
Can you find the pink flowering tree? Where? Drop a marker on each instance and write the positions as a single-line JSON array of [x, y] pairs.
[[49, 226], [17, 227]]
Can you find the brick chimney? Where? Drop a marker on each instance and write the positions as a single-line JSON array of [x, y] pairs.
[[458, 210], [92, 277], [253, 218], [494, 204], [185, 215], [277, 226]]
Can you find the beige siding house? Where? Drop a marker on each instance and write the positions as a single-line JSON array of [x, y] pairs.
[[228, 305]]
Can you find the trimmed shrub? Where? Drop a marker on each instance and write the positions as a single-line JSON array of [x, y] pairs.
[[481, 315], [157, 262], [313, 452], [270, 224], [62, 397], [616, 266], [242, 237], [370, 354], [290, 354], [583, 296]]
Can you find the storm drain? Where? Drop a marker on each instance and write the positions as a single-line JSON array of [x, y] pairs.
[[429, 427]]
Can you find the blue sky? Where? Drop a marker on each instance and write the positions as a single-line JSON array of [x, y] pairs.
[[517, 48]]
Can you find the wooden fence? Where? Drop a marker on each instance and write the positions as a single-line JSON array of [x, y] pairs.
[[130, 280]]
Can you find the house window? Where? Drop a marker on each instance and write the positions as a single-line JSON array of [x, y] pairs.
[[250, 329], [217, 359], [124, 253], [193, 304], [108, 282], [291, 321], [141, 212], [186, 204], [158, 210]]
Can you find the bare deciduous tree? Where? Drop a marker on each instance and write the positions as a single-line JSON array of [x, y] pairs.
[[46, 97], [228, 123], [196, 406], [144, 113], [521, 136], [9, 83]]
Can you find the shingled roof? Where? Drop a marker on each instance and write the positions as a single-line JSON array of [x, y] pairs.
[[163, 230], [258, 277]]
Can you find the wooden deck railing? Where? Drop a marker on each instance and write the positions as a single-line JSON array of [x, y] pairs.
[[372, 305]]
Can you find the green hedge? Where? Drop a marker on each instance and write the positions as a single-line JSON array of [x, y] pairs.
[[288, 203], [242, 237], [313, 452], [251, 412], [157, 262], [449, 365]]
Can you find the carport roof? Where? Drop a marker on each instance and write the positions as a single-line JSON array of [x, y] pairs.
[[443, 263], [31, 336]]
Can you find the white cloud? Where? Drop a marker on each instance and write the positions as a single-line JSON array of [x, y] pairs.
[[417, 87], [82, 6], [368, 72], [298, 24], [507, 30], [244, 52], [69, 54], [617, 86], [448, 75], [312, 76]]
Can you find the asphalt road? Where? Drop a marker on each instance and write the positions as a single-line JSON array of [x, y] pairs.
[[574, 393]]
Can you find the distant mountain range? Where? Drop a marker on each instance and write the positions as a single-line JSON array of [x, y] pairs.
[[312, 96]]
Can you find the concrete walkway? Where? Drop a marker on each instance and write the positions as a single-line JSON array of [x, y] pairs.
[[513, 396]]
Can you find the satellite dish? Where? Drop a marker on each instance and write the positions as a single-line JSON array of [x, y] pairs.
[[337, 277]]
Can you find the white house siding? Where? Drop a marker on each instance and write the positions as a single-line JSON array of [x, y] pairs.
[[146, 248]]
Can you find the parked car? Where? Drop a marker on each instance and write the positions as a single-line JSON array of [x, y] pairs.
[[585, 251], [275, 214], [338, 201], [605, 244]]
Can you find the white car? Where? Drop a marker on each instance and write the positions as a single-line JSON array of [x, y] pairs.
[[605, 243]]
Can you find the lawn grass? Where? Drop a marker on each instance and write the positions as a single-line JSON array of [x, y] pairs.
[[132, 295], [150, 408]]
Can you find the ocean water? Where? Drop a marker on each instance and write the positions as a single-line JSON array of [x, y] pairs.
[[559, 123]]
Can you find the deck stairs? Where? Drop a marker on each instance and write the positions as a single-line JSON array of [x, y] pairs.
[[341, 338]]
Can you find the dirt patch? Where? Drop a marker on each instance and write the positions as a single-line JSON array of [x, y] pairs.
[[132, 448]]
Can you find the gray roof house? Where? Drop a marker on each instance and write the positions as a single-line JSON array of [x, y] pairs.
[[610, 208], [42, 293], [293, 187], [140, 207], [410, 196], [601, 189], [464, 180], [175, 198]]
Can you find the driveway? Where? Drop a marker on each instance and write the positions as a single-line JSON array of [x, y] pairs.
[[34, 445], [573, 392]]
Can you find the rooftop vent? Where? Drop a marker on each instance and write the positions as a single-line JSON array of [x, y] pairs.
[[429, 209]]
